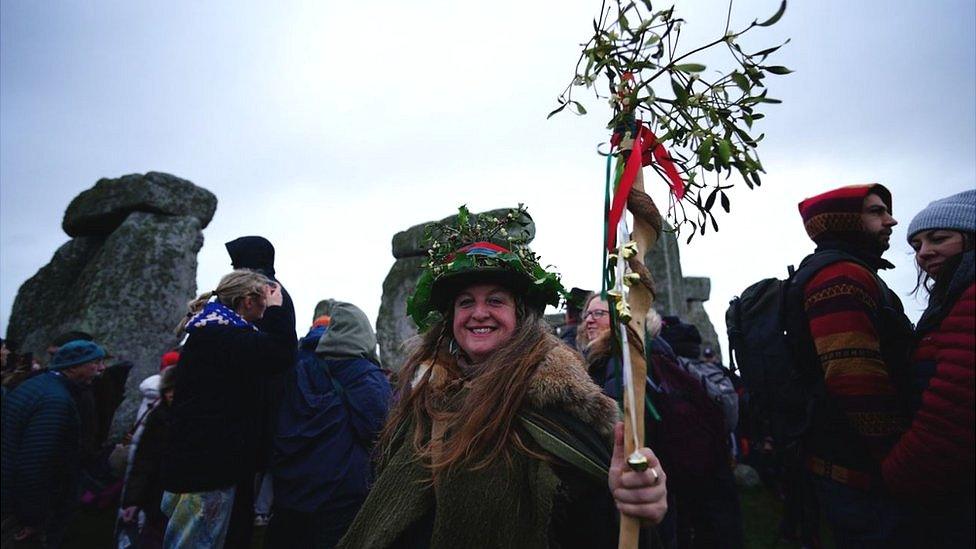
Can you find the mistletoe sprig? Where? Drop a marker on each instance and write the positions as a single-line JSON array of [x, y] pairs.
[[703, 118], [446, 238]]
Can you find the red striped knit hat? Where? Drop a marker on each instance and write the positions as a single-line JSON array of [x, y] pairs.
[[837, 213]]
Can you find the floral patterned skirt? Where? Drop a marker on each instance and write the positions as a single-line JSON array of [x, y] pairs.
[[197, 519]]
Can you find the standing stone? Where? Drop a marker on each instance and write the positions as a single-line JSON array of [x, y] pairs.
[[125, 278], [393, 327], [678, 295]]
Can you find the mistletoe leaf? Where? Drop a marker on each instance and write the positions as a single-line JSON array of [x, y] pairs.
[[776, 16], [690, 67], [556, 110], [710, 201], [680, 94], [740, 80]]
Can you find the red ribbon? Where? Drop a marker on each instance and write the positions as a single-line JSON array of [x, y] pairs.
[[623, 190], [664, 160], [648, 149]]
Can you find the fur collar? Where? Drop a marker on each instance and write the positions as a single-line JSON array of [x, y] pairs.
[[561, 382]]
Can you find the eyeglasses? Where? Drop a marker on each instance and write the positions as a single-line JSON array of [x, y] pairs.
[[597, 314]]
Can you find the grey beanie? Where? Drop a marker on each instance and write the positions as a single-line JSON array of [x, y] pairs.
[[956, 212]]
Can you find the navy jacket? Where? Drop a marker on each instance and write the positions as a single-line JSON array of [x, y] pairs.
[[335, 404], [40, 448]]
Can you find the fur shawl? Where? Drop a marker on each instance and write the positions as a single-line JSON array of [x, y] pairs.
[[561, 382], [507, 504]]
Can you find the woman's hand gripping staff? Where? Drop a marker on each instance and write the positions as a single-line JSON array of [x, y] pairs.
[[638, 494]]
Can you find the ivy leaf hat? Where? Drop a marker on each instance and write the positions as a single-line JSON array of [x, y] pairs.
[[481, 248]]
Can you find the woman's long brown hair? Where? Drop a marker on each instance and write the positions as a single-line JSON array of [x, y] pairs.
[[479, 429]]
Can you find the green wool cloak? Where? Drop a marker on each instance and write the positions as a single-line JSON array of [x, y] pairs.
[[509, 504]]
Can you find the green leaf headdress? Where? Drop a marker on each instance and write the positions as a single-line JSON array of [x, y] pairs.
[[480, 248]]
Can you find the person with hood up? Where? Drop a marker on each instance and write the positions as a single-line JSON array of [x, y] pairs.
[[258, 254], [858, 338], [932, 464], [335, 404]]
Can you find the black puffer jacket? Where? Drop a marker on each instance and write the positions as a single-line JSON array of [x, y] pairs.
[[213, 434]]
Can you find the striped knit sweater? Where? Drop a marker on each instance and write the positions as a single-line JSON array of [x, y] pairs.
[[842, 303], [40, 442]]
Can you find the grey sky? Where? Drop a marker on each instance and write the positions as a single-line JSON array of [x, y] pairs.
[[326, 127]]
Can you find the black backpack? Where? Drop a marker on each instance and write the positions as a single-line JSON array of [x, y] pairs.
[[770, 345]]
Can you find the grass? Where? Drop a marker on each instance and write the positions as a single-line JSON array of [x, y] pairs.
[[761, 514]]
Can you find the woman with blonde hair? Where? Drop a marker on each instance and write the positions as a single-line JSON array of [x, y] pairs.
[[212, 451]]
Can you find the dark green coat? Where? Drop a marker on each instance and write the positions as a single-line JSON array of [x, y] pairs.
[[527, 503]]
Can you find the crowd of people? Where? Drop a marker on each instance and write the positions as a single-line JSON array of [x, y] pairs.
[[500, 431]]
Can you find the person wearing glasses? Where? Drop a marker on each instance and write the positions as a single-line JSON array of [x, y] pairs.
[[596, 320]]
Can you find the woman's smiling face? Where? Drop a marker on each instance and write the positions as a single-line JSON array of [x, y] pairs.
[[596, 318], [484, 319]]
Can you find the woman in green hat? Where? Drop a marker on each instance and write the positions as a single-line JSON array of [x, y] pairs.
[[499, 438]]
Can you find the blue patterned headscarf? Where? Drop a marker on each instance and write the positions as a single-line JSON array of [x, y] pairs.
[[216, 313]]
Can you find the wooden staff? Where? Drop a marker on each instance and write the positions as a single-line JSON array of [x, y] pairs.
[[640, 297]]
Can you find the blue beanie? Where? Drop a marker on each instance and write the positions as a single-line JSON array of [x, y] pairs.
[[956, 212], [75, 353]]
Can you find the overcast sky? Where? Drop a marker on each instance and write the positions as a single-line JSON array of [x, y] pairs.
[[329, 126]]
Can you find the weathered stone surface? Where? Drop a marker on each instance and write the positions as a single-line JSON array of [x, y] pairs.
[[99, 210], [664, 262], [697, 288], [410, 243], [30, 318], [128, 287], [393, 327], [679, 295]]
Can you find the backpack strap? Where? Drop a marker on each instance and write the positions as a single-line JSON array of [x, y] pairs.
[[568, 439]]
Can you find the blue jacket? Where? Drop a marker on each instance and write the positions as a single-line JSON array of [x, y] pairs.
[[40, 447], [335, 404]]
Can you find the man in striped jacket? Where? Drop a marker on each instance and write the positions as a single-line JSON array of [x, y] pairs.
[[40, 446], [859, 336]]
